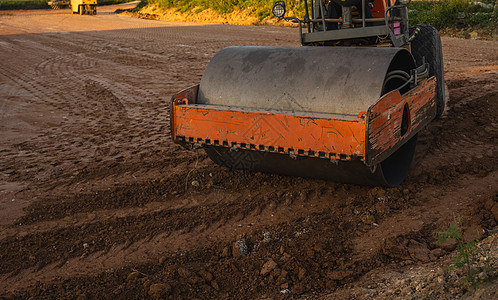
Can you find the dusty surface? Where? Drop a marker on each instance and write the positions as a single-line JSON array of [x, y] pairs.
[[96, 201]]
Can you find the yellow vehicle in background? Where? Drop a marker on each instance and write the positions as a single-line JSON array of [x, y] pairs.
[[57, 4], [84, 7]]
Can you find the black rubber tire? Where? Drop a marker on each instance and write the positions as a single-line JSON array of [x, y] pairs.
[[388, 173], [428, 44]]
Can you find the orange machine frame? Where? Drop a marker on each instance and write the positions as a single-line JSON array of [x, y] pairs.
[[372, 135]]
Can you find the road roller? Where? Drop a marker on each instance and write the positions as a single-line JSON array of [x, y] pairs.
[[345, 106]]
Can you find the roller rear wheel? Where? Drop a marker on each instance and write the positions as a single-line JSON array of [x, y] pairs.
[[428, 44]]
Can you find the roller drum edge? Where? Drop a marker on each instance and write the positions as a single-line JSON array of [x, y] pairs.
[[389, 173]]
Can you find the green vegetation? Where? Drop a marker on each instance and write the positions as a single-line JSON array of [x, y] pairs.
[[109, 2], [452, 13], [468, 256], [440, 14], [259, 8], [23, 4], [38, 4]]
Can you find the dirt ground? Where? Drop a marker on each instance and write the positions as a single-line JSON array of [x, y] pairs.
[[97, 202]]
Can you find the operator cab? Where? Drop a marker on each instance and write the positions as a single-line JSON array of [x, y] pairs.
[[343, 23]]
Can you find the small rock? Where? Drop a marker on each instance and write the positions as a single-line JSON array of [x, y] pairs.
[[449, 245], [382, 208], [268, 267], [367, 218], [284, 273], [318, 247], [377, 192], [195, 183], [310, 253], [301, 273], [159, 290], [206, 275], [494, 211], [118, 290], [418, 251], [225, 252], [133, 275], [146, 285], [215, 286], [483, 276], [438, 252], [81, 297], [299, 288], [240, 248], [286, 291], [338, 275], [489, 204], [195, 280], [472, 233], [282, 278], [184, 273], [266, 237]]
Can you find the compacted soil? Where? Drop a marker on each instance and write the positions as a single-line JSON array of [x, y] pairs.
[[96, 201]]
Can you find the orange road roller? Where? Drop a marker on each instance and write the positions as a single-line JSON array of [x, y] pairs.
[[345, 106]]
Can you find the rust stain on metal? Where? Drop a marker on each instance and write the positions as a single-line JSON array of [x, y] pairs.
[[386, 116], [280, 131]]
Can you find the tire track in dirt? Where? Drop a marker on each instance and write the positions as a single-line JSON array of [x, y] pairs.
[[116, 231], [70, 67]]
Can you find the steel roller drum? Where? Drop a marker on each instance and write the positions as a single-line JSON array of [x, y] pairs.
[[335, 80], [339, 80]]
